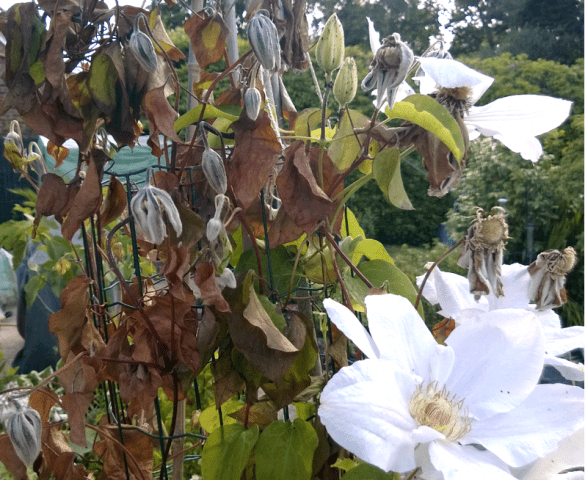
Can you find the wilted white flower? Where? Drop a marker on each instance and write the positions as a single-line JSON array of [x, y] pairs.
[[147, 207], [482, 252], [549, 274], [451, 292], [415, 403], [392, 60]]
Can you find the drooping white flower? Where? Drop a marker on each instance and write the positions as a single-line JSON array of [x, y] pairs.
[[515, 121], [451, 292], [417, 403]]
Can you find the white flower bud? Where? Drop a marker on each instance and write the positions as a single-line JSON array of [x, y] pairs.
[[142, 48], [252, 103], [214, 228], [263, 38], [214, 170]]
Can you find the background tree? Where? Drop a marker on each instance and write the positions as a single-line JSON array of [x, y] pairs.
[[541, 29], [414, 20]]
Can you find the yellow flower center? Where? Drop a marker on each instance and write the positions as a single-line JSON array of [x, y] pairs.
[[439, 410]]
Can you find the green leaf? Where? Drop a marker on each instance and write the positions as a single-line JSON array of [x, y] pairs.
[[308, 120], [285, 451], [345, 464], [226, 452], [276, 317], [33, 287], [369, 472], [229, 112], [305, 410], [432, 116], [381, 273], [345, 148], [386, 170], [282, 265], [209, 418], [102, 83]]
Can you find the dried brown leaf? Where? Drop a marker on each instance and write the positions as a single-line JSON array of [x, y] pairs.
[[254, 158], [208, 34], [87, 201], [204, 278], [160, 114], [114, 203], [10, 459], [305, 202], [138, 448], [42, 400]]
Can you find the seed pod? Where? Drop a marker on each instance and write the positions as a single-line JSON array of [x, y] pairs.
[[24, 430], [252, 103], [214, 170], [263, 38], [345, 86], [330, 48], [142, 48]]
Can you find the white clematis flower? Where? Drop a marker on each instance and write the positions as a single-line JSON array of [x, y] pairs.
[[515, 121], [451, 292], [417, 403], [567, 456]]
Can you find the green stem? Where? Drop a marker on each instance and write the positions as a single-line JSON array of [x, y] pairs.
[[355, 185]]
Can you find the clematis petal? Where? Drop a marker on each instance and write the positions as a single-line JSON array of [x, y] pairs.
[[458, 462], [569, 454], [516, 284], [498, 360], [353, 329], [534, 428], [375, 43], [364, 408], [403, 338], [570, 370], [454, 295], [547, 318], [516, 121], [450, 73], [563, 340]]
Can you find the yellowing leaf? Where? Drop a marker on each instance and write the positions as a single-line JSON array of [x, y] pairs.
[[229, 112], [432, 116], [102, 83], [345, 147]]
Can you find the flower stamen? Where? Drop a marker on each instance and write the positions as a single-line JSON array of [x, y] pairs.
[[439, 410]]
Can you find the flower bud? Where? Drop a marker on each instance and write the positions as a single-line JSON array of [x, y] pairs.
[[263, 38], [330, 48], [24, 430], [214, 170], [345, 86], [252, 103], [142, 48], [214, 227]]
